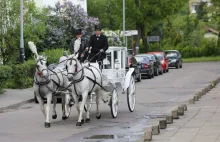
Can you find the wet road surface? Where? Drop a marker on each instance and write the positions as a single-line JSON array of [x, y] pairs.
[[154, 98]]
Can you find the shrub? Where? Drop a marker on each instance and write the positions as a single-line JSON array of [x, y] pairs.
[[22, 75], [5, 74], [54, 55]]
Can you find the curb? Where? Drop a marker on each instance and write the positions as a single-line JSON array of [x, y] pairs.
[[180, 109], [14, 106]]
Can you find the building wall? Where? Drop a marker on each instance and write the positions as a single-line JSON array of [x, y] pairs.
[[41, 3]]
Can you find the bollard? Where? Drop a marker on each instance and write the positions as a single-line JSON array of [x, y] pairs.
[[155, 130], [175, 114], [169, 119], [184, 107], [147, 136], [180, 111], [163, 124], [195, 98], [198, 96]]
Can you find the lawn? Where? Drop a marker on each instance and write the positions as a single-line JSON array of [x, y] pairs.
[[201, 59]]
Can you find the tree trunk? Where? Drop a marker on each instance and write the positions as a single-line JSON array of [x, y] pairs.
[[143, 36], [138, 28]]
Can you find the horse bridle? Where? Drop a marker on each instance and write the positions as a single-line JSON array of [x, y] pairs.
[[40, 60], [76, 70]]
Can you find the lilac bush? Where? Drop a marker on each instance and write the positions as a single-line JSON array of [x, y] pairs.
[[63, 20]]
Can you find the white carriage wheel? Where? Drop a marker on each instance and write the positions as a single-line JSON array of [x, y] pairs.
[[89, 99], [114, 103], [131, 90]]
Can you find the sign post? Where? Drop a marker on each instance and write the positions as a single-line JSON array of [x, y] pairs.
[[130, 33]]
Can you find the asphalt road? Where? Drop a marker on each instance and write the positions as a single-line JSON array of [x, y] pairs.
[[155, 97]]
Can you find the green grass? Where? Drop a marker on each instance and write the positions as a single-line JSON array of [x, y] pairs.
[[201, 59]]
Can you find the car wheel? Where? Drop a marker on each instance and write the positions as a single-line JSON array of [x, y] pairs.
[[139, 78], [157, 72], [178, 66], [161, 70], [181, 66]]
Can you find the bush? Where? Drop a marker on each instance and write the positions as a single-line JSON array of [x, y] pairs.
[[5, 74], [22, 75], [54, 55]]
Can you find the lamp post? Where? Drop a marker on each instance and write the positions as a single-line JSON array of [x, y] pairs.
[[22, 56], [124, 22]]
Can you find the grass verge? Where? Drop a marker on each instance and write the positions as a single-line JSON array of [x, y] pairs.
[[201, 59]]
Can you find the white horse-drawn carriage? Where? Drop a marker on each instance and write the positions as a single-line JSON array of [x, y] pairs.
[[82, 80]]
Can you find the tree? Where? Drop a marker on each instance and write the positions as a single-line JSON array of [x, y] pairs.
[[34, 20], [63, 20], [214, 11]]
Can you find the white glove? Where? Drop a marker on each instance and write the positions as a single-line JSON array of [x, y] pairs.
[[101, 50]]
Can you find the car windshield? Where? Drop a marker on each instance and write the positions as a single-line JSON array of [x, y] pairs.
[[151, 57], [141, 59], [160, 57], [173, 56]]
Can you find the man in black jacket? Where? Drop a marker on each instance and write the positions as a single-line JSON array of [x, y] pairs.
[[98, 43], [79, 45]]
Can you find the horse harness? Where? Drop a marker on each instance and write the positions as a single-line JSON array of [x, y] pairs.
[[48, 80], [83, 76]]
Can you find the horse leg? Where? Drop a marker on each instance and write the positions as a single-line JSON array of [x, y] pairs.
[[98, 114], [81, 109], [41, 102], [49, 98], [54, 116], [88, 103]]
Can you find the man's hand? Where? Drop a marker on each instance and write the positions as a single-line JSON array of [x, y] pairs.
[[82, 55], [101, 50], [87, 48]]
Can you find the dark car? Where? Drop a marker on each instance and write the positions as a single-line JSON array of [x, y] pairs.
[[147, 68], [132, 62], [158, 69], [175, 58], [163, 59]]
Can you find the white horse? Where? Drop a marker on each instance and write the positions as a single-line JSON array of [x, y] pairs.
[[47, 83], [85, 80]]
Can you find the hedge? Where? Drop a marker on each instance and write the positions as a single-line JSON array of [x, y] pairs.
[[5, 73]]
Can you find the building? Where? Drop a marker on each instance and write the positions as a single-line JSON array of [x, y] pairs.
[[41, 3], [194, 5], [211, 33]]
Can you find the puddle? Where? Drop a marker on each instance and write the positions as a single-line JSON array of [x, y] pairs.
[[108, 137], [102, 137]]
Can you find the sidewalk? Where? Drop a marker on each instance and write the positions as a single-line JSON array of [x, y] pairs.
[[201, 123], [13, 98]]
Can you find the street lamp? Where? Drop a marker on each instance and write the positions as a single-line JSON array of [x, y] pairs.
[[22, 56], [124, 22]]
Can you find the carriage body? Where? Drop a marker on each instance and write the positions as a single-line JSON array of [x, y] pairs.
[[114, 66], [115, 71]]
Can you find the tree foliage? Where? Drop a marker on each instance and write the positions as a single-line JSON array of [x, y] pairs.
[[63, 20]]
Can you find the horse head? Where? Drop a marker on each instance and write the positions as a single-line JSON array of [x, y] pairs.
[[72, 66], [41, 61]]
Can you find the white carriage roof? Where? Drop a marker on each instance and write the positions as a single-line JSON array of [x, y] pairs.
[[116, 48]]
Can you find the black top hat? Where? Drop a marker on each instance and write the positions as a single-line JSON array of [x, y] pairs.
[[78, 31], [98, 27]]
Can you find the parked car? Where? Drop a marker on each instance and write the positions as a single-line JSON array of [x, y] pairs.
[[163, 59], [132, 62], [175, 58], [147, 68], [156, 62]]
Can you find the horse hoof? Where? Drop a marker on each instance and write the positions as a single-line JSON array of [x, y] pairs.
[[98, 117], [87, 120], [78, 124], [64, 117], [54, 116], [82, 121], [47, 125]]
